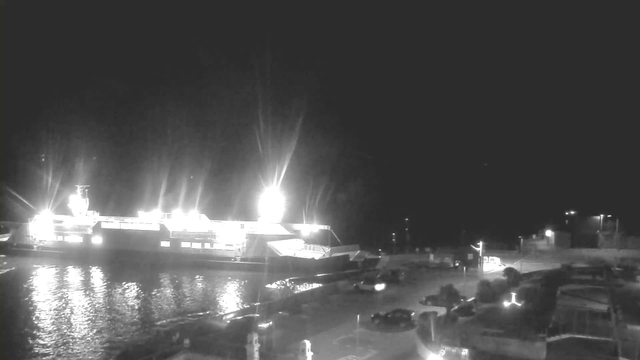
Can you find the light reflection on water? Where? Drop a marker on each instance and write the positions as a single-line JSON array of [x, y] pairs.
[[62, 311]]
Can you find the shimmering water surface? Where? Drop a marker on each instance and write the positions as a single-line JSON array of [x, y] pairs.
[[53, 309]]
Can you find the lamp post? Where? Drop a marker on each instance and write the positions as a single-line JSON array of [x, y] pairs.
[[521, 243], [602, 220], [480, 261], [406, 229], [393, 240], [569, 213], [617, 240]]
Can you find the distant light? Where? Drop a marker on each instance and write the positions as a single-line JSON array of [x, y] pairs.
[[96, 240], [608, 216], [194, 214], [406, 219], [177, 213], [548, 233], [379, 287], [271, 206], [156, 214]]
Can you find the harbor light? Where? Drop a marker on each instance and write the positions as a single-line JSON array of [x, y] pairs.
[[271, 206], [42, 225], [45, 215]]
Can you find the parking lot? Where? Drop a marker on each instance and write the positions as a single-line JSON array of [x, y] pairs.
[[341, 327]]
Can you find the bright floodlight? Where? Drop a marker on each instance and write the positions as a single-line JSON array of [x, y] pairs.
[[177, 213], [78, 205], [46, 214], [548, 233], [271, 206], [194, 214]]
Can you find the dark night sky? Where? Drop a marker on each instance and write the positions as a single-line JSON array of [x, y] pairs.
[[491, 120]]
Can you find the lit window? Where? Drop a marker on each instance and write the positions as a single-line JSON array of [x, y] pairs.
[[186, 244], [207, 245], [165, 243], [196, 245]]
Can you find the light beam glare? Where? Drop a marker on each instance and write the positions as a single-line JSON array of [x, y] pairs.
[[19, 197]]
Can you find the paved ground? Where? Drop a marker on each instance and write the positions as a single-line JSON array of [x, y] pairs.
[[334, 330]]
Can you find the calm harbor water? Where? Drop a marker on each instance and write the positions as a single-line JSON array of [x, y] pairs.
[[52, 309]]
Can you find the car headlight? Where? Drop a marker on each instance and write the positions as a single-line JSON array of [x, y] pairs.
[[379, 287]]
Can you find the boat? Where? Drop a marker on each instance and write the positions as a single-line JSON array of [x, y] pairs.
[[181, 237]]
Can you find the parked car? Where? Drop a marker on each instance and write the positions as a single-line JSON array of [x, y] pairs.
[[437, 300], [393, 276], [464, 309], [370, 285], [398, 317]]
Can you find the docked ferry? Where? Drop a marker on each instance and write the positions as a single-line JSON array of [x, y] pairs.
[[183, 237]]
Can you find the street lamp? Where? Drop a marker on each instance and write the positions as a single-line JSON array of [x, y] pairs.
[[602, 220], [406, 229], [393, 240], [569, 213], [480, 258], [271, 205]]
